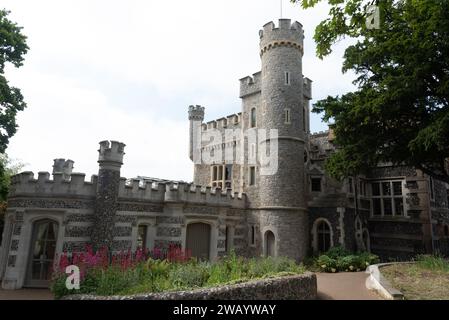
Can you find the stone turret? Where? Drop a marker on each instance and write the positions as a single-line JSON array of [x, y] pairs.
[[64, 167], [110, 160], [282, 201], [196, 117]]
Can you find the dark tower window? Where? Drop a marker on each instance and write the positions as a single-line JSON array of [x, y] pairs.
[[287, 78], [253, 118], [446, 231], [304, 119], [316, 184], [252, 176], [253, 235], [287, 115]]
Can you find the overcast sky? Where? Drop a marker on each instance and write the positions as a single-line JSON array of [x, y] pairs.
[[128, 70]]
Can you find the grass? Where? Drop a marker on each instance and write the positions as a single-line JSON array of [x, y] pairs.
[[426, 279], [161, 275]]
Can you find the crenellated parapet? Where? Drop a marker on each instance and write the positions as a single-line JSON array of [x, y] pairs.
[[190, 193], [136, 189], [286, 34], [196, 113], [250, 84], [26, 184]]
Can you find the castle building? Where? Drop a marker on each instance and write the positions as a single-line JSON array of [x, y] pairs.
[[259, 188]]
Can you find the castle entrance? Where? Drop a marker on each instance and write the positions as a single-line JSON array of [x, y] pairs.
[[42, 253], [198, 240]]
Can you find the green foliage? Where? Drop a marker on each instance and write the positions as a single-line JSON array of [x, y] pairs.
[[434, 263], [12, 49], [158, 276], [190, 275], [338, 259], [400, 110], [337, 251]]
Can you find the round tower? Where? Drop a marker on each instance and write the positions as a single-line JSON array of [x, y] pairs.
[[110, 160], [283, 217]]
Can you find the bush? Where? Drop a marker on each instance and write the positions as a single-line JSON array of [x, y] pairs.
[[336, 252], [339, 259]]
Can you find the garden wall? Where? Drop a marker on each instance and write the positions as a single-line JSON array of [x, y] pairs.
[[295, 287]]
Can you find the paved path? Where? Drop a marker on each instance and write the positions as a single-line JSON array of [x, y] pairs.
[[26, 294], [344, 286]]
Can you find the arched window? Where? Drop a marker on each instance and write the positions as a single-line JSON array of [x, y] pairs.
[[42, 253], [269, 244], [323, 233], [253, 118]]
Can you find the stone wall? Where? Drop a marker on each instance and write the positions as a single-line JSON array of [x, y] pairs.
[[295, 287]]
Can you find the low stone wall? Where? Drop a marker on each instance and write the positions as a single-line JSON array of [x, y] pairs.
[[295, 287]]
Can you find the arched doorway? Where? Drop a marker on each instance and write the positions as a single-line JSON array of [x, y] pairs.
[[323, 233], [269, 244], [198, 240], [42, 253]]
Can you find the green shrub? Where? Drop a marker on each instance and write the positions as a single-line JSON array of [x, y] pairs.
[[189, 275], [327, 264], [339, 259], [337, 251]]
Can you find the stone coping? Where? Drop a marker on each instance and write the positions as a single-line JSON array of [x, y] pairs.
[[292, 287], [376, 281]]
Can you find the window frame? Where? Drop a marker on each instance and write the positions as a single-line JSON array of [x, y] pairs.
[[392, 197], [252, 176], [311, 183], [218, 176], [253, 118]]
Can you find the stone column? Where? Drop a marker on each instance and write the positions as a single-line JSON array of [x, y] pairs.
[[110, 161]]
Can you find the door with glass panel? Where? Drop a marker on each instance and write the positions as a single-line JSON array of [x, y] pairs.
[[42, 253]]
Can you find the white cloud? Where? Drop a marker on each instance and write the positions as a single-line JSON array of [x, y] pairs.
[[127, 70]]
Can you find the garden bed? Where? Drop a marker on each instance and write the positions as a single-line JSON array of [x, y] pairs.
[[133, 274], [426, 279]]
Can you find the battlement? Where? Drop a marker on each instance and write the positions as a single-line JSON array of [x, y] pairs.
[[250, 84], [285, 34], [185, 192], [142, 190], [25, 184], [319, 134], [157, 191], [111, 152], [228, 122], [196, 113]]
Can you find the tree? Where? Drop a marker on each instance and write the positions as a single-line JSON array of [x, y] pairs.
[[399, 113], [12, 49]]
